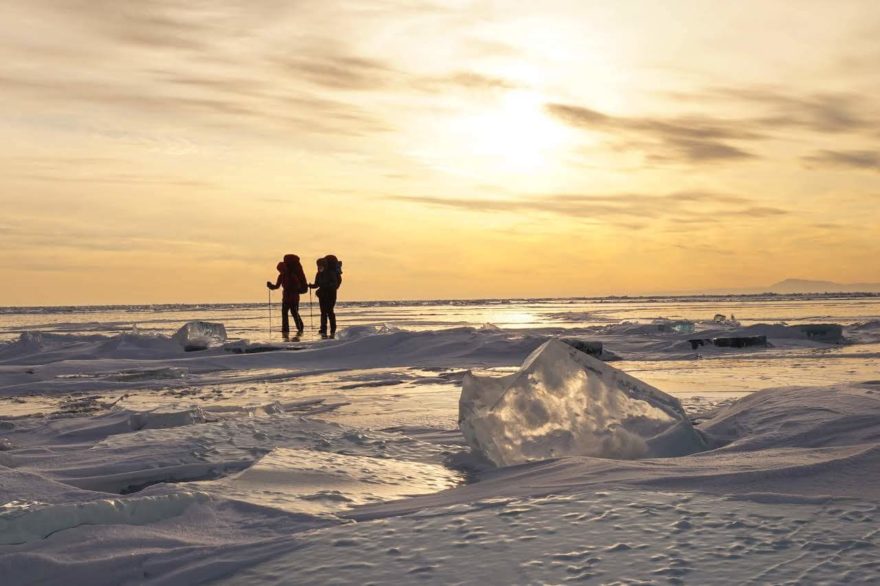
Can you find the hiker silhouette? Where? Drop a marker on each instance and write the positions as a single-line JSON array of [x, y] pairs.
[[292, 280], [327, 282]]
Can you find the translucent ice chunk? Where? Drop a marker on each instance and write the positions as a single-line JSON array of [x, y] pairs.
[[199, 335], [563, 402], [678, 326]]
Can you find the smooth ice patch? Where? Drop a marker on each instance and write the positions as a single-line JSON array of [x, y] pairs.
[[301, 480], [563, 402]]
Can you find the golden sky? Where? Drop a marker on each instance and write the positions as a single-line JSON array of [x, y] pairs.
[[163, 151]]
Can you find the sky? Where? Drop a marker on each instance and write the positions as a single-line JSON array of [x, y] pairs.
[[160, 151]]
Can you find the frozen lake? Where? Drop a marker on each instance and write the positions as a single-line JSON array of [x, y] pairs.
[[727, 374], [252, 320], [125, 459]]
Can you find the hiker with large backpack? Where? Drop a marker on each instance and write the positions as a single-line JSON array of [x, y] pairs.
[[327, 281], [292, 280]]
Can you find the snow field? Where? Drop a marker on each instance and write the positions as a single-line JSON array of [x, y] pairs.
[[611, 537], [124, 459]]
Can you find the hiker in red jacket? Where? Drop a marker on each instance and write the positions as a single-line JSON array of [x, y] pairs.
[[292, 280]]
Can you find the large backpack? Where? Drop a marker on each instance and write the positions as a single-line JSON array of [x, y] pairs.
[[335, 265], [295, 274]]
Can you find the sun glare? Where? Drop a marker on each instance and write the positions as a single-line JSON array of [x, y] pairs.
[[516, 136]]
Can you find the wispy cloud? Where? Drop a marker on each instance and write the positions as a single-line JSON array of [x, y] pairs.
[[773, 110], [630, 209], [865, 160], [468, 80], [691, 139], [338, 71], [765, 113], [837, 112], [219, 101], [217, 72]]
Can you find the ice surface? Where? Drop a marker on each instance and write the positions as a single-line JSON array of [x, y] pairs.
[[200, 335], [125, 460], [316, 482], [563, 402]]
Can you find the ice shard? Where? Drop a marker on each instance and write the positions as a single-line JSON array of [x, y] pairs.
[[563, 402], [200, 335]]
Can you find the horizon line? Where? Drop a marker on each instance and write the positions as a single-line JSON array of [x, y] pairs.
[[478, 299]]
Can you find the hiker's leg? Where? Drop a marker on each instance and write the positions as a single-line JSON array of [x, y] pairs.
[[323, 304], [285, 325], [296, 317], [331, 313]]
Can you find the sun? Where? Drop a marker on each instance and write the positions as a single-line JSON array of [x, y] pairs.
[[515, 135]]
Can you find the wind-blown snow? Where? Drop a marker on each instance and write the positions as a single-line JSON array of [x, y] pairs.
[[563, 402]]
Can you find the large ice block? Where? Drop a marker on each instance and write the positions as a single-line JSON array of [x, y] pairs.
[[200, 335], [563, 402]]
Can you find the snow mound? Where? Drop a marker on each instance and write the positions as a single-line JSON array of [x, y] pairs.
[[124, 421], [27, 521], [200, 335], [563, 402], [44, 348], [164, 419], [864, 333], [799, 417], [362, 331], [134, 345]]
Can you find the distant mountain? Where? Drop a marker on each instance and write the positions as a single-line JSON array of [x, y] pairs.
[[786, 287], [811, 286]]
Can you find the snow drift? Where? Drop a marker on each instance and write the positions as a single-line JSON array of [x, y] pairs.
[[563, 402], [36, 348]]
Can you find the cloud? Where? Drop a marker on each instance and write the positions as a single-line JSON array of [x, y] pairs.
[[866, 160], [335, 68], [776, 109], [227, 101], [154, 23], [686, 138], [821, 112], [705, 249], [118, 179], [467, 80], [774, 113], [625, 209], [188, 65], [200, 65], [339, 71]]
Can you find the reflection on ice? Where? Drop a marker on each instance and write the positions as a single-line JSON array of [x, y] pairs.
[[324, 482]]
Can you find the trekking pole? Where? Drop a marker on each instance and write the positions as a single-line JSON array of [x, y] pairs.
[[311, 320], [270, 313]]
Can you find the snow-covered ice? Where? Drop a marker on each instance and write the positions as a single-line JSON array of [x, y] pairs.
[[125, 459]]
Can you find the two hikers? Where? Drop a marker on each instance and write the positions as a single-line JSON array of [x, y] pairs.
[[292, 280], [327, 281]]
